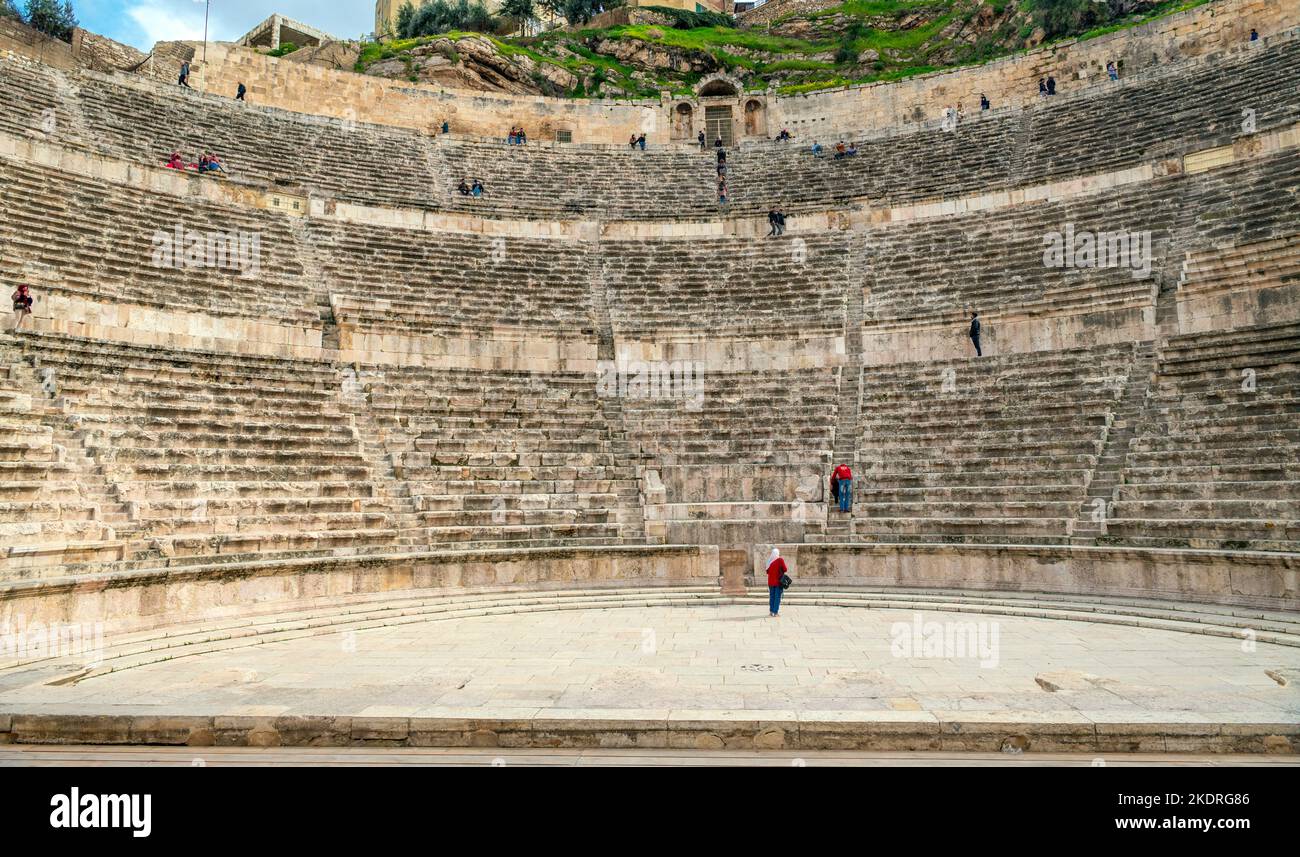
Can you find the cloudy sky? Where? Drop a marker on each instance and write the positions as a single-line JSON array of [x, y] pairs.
[[142, 22]]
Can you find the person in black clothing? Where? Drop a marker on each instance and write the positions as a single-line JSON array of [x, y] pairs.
[[185, 74], [722, 156], [780, 222], [975, 333], [1254, 36], [700, 137], [984, 102], [772, 220], [1051, 86], [717, 144], [1042, 88], [242, 91]]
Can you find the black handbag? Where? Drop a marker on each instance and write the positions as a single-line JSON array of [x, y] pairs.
[[786, 581]]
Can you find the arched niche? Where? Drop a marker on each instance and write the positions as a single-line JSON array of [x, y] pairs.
[[755, 118], [683, 121]]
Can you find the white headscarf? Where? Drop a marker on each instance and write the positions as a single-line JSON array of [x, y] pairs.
[[776, 554]]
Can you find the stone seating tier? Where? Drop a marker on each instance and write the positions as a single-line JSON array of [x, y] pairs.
[[1217, 462], [85, 238], [1162, 117]]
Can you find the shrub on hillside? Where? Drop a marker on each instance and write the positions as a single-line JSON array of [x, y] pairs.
[[686, 20], [442, 16]]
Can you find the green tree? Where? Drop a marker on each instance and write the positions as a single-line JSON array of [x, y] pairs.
[[51, 18], [522, 11], [580, 11], [441, 16], [9, 10], [404, 16]]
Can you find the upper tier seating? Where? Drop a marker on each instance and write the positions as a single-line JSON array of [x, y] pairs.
[[220, 455], [1192, 105], [95, 239], [994, 449], [1217, 462], [505, 459], [145, 123], [1190, 108]]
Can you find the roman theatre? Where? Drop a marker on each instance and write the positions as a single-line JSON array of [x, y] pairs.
[[325, 453]]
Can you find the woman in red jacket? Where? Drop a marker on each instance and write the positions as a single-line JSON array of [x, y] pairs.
[[775, 568]]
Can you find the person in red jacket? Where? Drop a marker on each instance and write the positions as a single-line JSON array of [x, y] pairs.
[[844, 476], [775, 568]]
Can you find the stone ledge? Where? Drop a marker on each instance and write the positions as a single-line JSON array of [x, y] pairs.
[[1246, 578], [662, 729]]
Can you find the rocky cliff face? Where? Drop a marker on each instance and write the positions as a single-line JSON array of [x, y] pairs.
[[795, 45]]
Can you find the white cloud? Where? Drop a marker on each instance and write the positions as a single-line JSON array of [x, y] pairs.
[[173, 20]]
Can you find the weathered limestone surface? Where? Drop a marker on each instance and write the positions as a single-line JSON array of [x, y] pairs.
[[1260, 579], [159, 598]]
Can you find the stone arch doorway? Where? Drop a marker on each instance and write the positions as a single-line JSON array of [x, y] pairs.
[[718, 123], [718, 86], [683, 122], [755, 119]]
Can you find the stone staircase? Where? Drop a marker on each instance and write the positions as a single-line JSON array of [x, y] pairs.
[[1108, 474], [631, 473], [839, 526]]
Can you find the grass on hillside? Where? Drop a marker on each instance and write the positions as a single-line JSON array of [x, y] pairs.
[[757, 57]]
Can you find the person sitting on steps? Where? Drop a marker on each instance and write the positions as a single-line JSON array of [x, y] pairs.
[[22, 305], [463, 187], [477, 189]]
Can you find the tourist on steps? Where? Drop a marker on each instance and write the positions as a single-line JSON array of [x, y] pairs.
[[816, 149], [1111, 71], [1042, 88], [1051, 85], [722, 189], [241, 92], [703, 144], [775, 570], [984, 102], [22, 305], [185, 74], [844, 493], [631, 142], [477, 189], [463, 187], [640, 141], [717, 144], [771, 221], [175, 162], [975, 333]]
